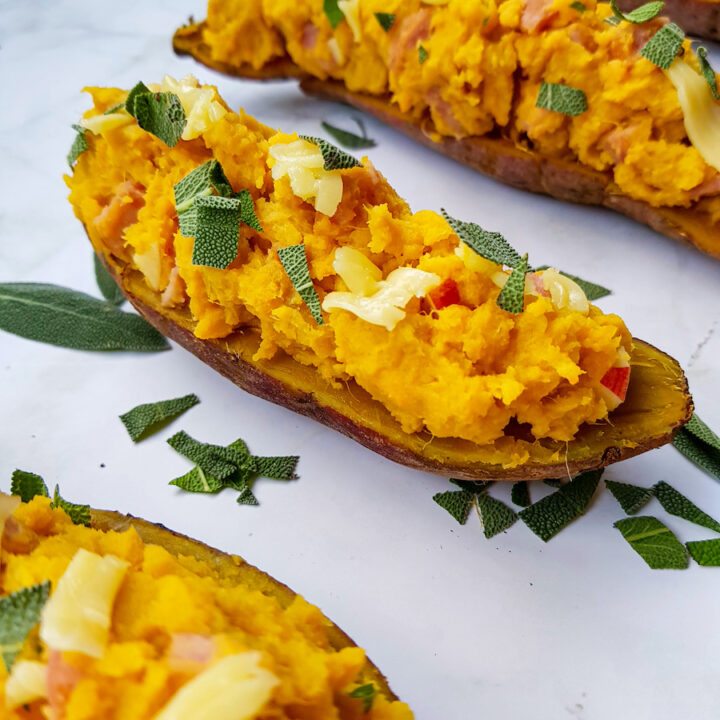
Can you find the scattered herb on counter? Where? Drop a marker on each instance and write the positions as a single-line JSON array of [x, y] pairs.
[[27, 485], [231, 466], [457, 502], [520, 494], [489, 245], [79, 145], [333, 13], [159, 113], [107, 286], [348, 139], [295, 263], [422, 54], [639, 15], [654, 542], [677, 504], [632, 498], [708, 72], [592, 290], [146, 419], [19, 613], [551, 514], [662, 48], [366, 693], [512, 296], [699, 444], [553, 482], [561, 99], [705, 552], [386, 20], [578, 6], [60, 316], [334, 158], [475, 487], [495, 515]]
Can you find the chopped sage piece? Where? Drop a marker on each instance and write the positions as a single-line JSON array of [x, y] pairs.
[[161, 114], [708, 72], [386, 20], [490, 245], [422, 54], [206, 456], [106, 284], [79, 145], [333, 13], [578, 6], [334, 158], [677, 504], [496, 516], [520, 494], [19, 613], [367, 694], [456, 502], [562, 99], [27, 485], [705, 552], [699, 444], [512, 296], [632, 498], [145, 419], [654, 542], [348, 139], [217, 230], [662, 48], [551, 514], [295, 263], [79, 514], [640, 14], [198, 481]]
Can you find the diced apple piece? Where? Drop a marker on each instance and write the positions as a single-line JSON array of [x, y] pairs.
[[78, 614], [445, 294], [234, 688], [615, 384]]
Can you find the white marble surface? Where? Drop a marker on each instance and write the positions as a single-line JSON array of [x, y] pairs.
[[509, 628]]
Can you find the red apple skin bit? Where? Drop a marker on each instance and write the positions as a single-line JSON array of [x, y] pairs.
[[445, 294], [616, 380]]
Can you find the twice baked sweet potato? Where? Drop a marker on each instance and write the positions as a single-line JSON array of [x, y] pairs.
[[474, 100], [181, 610], [451, 381]]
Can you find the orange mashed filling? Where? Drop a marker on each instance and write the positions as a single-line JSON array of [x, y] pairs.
[[464, 371], [485, 62], [172, 617]]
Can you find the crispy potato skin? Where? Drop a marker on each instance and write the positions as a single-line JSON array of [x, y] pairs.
[[596, 446], [229, 567], [496, 157], [696, 17]]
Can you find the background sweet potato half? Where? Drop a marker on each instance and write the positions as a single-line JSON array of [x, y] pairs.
[[657, 405], [491, 155], [695, 17], [229, 568]]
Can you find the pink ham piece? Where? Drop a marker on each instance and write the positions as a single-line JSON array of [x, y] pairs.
[[189, 652], [414, 29], [61, 680], [120, 213]]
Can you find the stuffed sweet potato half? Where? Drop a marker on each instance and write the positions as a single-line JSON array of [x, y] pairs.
[[427, 339], [140, 622], [544, 95]]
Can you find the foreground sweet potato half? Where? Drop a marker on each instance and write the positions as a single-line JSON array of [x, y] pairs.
[[497, 157], [657, 404], [696, 17], [230, 568]]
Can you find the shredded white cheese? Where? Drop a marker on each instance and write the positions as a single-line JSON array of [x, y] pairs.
[[27, 682], [302, 163], [700, 111], [351, 10]]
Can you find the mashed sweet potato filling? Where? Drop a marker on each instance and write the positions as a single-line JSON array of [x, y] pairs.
[[485, 62], [173, 619], [462, 367]]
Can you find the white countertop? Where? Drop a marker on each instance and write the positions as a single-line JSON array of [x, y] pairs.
[[505, 629]]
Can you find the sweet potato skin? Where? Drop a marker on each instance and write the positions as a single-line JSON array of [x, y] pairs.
[[252, 379], [695, 17], [491, 155], [230, 567]]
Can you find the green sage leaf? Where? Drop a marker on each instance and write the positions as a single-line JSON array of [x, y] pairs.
[[705, 552], [27, 485], [632, 498], [19, 613], [561, 99], [106, 283], [677, 504], [662, 48], [654, 542], [346, 138], [145, 419], [295, 263]]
